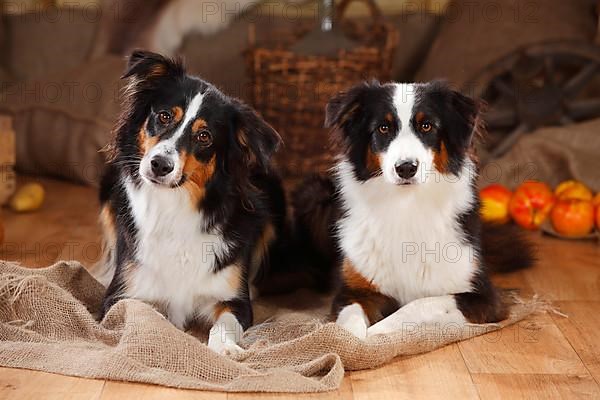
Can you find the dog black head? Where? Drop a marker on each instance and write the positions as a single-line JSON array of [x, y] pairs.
[[405, 132], [178, 131]]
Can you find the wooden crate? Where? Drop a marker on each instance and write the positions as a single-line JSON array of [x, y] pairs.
[[7, 159]]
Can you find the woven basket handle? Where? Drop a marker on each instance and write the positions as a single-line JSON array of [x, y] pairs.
[[343, 6]]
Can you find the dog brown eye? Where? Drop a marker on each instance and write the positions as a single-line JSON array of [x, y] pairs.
[[164, 117], [383, 129], [425, 127], [204, 138]]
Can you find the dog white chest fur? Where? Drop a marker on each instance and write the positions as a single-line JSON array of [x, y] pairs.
[[406, 239], [175, 256]]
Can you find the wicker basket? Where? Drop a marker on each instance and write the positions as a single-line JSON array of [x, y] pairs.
[[291, 90], [7, 159]]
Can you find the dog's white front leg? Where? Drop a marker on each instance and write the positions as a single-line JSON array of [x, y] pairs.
[[441, 311]]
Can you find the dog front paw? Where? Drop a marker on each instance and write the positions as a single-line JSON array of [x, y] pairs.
[[357, 328], [353, 319], [224, 347]]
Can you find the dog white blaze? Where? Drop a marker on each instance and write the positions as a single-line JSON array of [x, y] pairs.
[[168, 148], [406, 146]]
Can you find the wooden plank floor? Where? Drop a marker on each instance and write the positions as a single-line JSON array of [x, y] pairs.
[[547, 356]]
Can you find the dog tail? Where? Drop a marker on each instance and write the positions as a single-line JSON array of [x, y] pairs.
[[316, 211], [506, 248]]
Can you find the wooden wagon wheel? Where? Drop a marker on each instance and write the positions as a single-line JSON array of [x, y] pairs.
[[539, 85]]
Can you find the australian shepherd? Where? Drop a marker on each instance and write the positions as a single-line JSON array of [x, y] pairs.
[[190, 206], [401, 216]]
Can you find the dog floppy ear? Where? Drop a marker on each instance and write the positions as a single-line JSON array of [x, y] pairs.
[[465, 112], [342, 114], [460, 123], [341, 106], [146, 72], [148, 66], [257, 139]]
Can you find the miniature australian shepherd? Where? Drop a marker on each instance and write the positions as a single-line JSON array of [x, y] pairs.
[[191, 209], [401, 217]]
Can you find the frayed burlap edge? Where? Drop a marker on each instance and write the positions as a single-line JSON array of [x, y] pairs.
[[47, 324]]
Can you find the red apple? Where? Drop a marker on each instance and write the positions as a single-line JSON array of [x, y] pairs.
[[531, 203], [494, 203], [572, 217]]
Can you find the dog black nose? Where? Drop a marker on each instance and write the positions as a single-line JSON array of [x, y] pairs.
[[161, 166], [407, 169]]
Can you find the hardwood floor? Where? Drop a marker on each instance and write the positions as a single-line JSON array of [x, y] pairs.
[[547, 356]]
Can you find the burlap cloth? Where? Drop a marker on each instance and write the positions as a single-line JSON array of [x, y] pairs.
[[46, 324], [552, 155]]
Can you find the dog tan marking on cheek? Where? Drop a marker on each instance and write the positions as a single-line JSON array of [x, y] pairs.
[[198, 125], [198, 174], [146, 142], [440, 159], [373, 161]]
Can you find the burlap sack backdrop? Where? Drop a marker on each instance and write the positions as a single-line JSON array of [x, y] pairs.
[[46, 324], [551, 155]]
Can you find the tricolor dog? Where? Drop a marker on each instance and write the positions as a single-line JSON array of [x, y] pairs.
[[402, 212], [191, 208]]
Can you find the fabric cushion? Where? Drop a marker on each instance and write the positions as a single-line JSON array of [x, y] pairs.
[[62, 121]]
